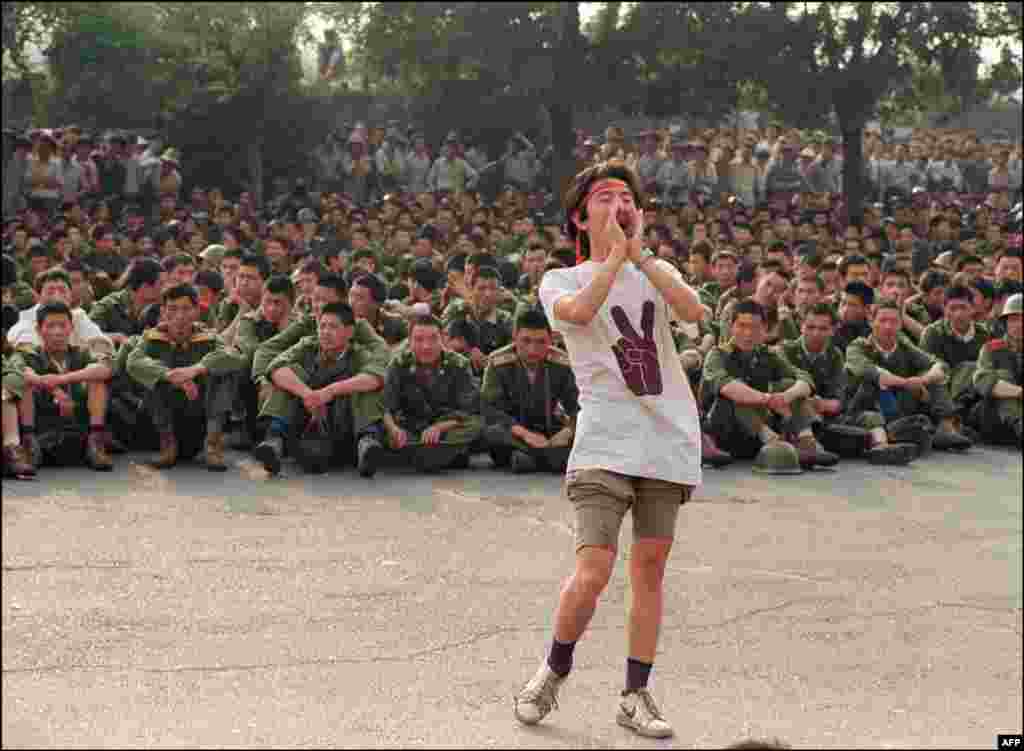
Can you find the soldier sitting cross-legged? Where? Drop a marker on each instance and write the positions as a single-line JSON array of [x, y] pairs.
[[186, 371], [328, 383], [431, 403], [524, 384]]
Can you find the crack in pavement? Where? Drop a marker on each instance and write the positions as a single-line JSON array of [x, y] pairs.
[[320, 661]]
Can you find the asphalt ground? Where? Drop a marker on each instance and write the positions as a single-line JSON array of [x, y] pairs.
[[863, 607]]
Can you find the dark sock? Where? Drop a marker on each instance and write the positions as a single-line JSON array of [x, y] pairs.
[[23, 429], [637, 674], [97, 428], [560, 657]]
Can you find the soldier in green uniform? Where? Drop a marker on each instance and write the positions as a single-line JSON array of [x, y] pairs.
[[210, 286], [183, 366], [493, 323], [524, 385], [928, 304], [365, 297], [431, 408], [15, 456], [65, 393], [891, 377], [895, 287], [957, 342], [855, 303], [245, 293], [122, 316], [754, 397], [330, 288], [16, 291], [724, 266], [334, 381], [813, 353], [999, 379], [771, 286], [246, 335]]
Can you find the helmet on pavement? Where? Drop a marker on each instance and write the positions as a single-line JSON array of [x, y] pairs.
[[1013, 304], [916, 429], [778, 458]]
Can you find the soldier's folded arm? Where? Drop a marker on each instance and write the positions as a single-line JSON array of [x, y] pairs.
[[721, 382], [144, 367], [221, 360], [793, 383], [495, 405]]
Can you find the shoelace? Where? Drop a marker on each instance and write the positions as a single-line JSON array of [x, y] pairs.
[[652, 708]]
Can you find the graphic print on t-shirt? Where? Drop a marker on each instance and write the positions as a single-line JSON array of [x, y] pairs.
[[638, 356]]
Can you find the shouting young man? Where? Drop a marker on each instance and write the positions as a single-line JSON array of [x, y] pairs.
[[637, 442]]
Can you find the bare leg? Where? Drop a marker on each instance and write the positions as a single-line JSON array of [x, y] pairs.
[[27, 407], [98, 396], [578, 600], [646, 574], [10, 416]]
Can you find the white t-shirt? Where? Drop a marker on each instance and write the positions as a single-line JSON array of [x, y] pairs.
[[640, 422]]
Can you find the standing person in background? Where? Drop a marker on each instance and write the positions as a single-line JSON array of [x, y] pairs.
[[638, 436]]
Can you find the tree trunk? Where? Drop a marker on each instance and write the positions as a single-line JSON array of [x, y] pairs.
[[852, 128], [566, 63], [254, 158]]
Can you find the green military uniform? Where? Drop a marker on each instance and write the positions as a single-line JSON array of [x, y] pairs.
[[777, 330], [509, 397], [737, 429], [417, 397], [113, 314], [959, 356], [867, 404], [920, 313], [227, 311], [252, 331], [709, 294], [349, 418], [299, 329], [62, 439], [23, 296], [827, 368], [155, 354], [495, 329], [998, 420]]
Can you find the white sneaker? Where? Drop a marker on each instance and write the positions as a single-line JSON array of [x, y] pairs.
[[539, 696], [639, 713]]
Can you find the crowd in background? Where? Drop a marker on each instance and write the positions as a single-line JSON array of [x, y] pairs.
[[395, 238]]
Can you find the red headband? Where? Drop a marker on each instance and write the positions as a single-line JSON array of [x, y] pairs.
[[599, 186]]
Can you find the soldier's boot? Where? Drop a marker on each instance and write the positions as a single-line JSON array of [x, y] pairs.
[[521, 462], [33, 451], [269, 453], [369, 451], [711, 454], [813, 454], [168, 455], [947, 438], [215, 451], [17, 464], [96, 455]]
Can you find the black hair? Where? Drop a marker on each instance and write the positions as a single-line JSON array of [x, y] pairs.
[[209, 279], [848, 261], [342, 310], [466, 329], [143, 271], [258, 262], [179, 291], [456, 263], [933, 279], [573, 199], [532, 318], [233, 253], [861, 291], [482, 259], [749, 308], [886, 305], [330, 280], [967, 261], [54, 308], [958, 292], [279, 284]]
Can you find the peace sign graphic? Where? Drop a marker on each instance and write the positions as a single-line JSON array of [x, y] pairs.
[[638, 357]]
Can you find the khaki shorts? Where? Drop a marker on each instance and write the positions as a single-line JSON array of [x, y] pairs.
[[601, 499]]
